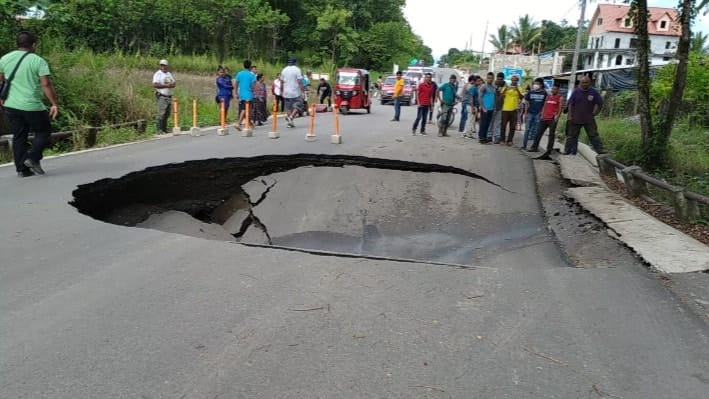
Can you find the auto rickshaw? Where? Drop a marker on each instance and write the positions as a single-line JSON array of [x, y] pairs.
[[352, 90]]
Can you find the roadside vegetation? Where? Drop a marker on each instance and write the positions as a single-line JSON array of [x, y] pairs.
[[102, 65]]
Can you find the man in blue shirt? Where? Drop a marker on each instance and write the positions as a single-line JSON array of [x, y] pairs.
[[244, 92], [487, 103], [470, 100], [447, 95], [535, 99]]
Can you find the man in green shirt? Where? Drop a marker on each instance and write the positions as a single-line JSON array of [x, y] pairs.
[[447, 95], [24, 106]]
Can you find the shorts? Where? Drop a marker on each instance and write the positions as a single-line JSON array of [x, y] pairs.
[[242, 105], [294, 103]]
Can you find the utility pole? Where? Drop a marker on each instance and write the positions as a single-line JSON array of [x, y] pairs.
[[575, 59], [482, 53]]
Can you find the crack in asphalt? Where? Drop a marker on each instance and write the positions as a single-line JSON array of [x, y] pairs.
[[265, 193], [251, 219], [364, 256]]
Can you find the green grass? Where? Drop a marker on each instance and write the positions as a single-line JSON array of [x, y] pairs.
[[688, 156]]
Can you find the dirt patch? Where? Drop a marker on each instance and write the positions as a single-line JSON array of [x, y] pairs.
[[661, 212]]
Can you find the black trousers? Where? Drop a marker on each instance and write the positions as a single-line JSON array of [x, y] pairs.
[[21, 124], [327, 95], [572, 139], [541, 127], [421, 115]]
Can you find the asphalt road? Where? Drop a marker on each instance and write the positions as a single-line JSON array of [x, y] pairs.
[[95, 310]]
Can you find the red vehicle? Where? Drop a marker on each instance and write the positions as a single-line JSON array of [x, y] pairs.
[[352, 90], [407, 98]]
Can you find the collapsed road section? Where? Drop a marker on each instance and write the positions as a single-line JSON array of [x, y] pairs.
[[337, 203]]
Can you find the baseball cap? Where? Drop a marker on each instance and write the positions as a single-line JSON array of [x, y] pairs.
[[163, 62], [291, 61]]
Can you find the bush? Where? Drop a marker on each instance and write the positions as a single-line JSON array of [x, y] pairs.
[[688, 152]]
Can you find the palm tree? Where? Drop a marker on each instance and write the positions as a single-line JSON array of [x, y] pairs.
[[526, 33], [700, 43], [502, 40]]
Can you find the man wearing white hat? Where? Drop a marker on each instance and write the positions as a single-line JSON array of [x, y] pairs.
[[164, 83]]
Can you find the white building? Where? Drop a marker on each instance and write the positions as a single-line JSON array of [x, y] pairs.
[[611, 34]]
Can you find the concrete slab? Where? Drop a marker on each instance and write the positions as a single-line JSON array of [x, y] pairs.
[[578, 172], [588, 153], [664, 247], [183, 223]]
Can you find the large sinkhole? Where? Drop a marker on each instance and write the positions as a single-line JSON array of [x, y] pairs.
[[335, 203]]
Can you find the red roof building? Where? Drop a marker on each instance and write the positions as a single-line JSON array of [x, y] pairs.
[[612, 33]]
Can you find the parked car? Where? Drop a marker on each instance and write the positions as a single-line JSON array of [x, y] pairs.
[[388, 90]]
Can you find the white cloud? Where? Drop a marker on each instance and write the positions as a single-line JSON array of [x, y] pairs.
[[453, 23]]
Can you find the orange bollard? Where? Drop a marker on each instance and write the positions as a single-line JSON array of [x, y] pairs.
[[247, 132], [248, 115], [311, 131], [336, 138], [273, 134], [222, 114], [195, 130], [222, 131], [175, 117]]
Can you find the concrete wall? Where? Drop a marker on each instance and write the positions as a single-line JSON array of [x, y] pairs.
[[530, 63]]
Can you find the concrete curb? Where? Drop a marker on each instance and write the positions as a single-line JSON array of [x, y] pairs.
[[662, 246]]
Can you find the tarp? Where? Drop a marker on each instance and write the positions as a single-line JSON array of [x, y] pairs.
[[622, 79]]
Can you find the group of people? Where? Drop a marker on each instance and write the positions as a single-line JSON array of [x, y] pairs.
[[495, 109], [290, 89], [490, 102]]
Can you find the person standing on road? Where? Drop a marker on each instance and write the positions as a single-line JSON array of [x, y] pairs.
[[584, 104], [497, 131], [434, 99], [260, 97], [398, 92], [326, 92], [425, 91], [164, 84], [293, 90], [447, 95], [551, 112], [473, 92], [225, 89], [378, 87], [465, 103], [277, 91], [511, 97], [245, 80], [487, 94], [24, 106], [535, 99]]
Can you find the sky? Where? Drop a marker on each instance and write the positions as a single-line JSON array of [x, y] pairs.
[[448, 23]]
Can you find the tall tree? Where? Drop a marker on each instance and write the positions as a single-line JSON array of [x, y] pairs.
[[526, 33], [556, 36], [656, 136], [335, 34], [502, 40], [700, 43], [640, 16]]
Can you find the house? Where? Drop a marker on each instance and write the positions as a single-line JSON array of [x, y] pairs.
[[611, 34]]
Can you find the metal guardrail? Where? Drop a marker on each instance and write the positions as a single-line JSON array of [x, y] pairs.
[[685, 203], [91, 133]]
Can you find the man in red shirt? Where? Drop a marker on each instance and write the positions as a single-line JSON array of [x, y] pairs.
[[549, 119], [425, 98]]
